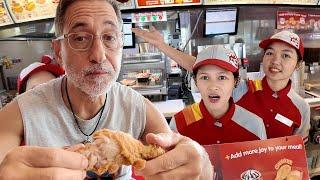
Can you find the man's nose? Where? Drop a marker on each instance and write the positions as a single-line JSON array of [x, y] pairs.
[[97, 51]]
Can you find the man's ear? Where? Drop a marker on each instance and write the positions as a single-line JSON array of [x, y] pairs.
[[56, 45]]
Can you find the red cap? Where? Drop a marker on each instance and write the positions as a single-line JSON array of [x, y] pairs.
[[47, 59], [287, 37], [37, 67], [217, 55]]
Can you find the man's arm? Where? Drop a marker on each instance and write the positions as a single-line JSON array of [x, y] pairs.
[[11, 129], [30, 162], [182, 153], [154, 37], [155, 123]]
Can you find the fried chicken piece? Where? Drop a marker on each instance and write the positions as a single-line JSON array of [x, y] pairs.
[[111, 149]]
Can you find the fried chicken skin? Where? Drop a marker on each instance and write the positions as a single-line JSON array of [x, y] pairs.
[[111, 149]]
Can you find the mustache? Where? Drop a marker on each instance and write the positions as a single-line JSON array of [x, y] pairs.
[[97, 67]]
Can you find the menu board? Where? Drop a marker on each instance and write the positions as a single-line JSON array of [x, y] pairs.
[[293, 2], [217, 2], [29, 10], [291, 20], [164, 3], [298, 20], [314, 22], [5, 18], [278, 158], [298, 2]]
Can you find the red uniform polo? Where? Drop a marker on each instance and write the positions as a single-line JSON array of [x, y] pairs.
[[236, 125], [284, 112]]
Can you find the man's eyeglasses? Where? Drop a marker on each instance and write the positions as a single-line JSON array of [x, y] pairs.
[[82, 41]]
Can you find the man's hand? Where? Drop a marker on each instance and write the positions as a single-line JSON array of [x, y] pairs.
[[27, 162], [185, 159], [152, 36]]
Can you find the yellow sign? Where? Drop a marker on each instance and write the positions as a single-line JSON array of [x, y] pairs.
[[29, 10]]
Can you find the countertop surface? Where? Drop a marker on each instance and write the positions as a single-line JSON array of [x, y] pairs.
[[169, 107]]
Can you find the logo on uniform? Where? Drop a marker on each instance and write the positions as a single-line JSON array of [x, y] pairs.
[[250, 174], [233, 60], [294, 40]]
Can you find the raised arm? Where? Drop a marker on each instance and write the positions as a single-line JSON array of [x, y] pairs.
[[154, 37]]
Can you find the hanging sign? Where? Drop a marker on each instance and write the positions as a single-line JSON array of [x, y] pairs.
[[163, 3], [149, 17]]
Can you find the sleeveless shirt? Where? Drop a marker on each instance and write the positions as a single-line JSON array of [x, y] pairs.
[[48, 122]]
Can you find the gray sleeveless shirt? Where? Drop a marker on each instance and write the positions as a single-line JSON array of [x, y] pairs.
[[48, 122]]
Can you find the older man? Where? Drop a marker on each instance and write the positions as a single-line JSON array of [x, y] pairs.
[[69, 109]]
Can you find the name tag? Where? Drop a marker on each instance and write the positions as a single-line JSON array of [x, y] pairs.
[[284, 120]]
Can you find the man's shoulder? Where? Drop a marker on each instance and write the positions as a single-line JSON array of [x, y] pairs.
[[41, 91], [120, 88]]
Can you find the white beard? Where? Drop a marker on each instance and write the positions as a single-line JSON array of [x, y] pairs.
[[93, 87]]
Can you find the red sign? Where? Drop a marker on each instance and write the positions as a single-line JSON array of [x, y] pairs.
[[291, 20], [313, 22], [298, 21], [279, 158], [162, 3]]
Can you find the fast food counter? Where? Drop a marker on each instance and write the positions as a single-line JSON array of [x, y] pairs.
[[170, 107]]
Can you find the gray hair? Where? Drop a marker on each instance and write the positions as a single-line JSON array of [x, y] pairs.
[[63, 6]]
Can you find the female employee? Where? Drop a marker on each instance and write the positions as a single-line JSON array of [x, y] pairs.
[[283, 111], [216, 119]]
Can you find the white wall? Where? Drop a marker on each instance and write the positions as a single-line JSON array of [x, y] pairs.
[[27, 51]]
